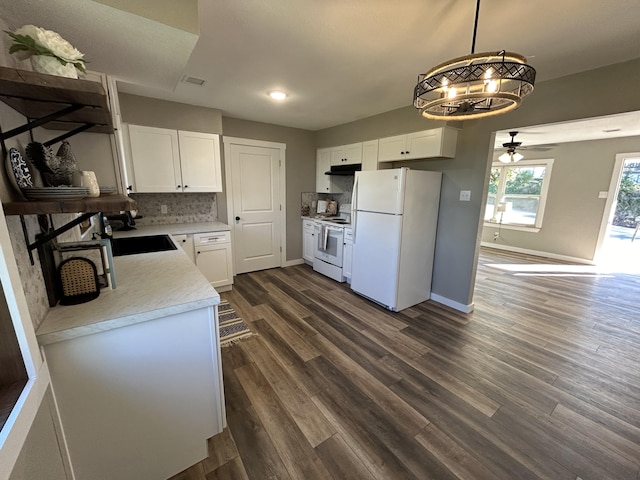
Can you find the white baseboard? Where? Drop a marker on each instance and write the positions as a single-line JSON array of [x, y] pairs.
[[291, 263], [461, 307], [537, 253]]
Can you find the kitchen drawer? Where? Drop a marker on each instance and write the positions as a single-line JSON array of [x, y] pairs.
[[212, 238], [308, 226], [348, 235]]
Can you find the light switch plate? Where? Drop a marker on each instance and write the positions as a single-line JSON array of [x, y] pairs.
[[603, 194], [465, 195]]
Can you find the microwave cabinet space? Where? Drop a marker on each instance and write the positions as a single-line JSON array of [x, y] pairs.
[[161, 160]]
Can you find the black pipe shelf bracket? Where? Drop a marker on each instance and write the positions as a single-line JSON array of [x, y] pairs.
[[31, 124], [49, 235]]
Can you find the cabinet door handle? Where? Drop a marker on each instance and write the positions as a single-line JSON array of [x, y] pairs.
[[186, 186], [178, 187], [237, 219]]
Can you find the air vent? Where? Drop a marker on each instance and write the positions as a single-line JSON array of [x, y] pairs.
[[193, 80]]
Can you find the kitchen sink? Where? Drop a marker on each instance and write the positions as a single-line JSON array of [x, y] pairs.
[[144, 244]]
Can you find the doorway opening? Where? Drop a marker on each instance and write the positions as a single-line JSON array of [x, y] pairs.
[[620, 248]]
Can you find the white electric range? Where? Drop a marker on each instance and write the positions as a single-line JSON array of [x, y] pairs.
[[329, 244]]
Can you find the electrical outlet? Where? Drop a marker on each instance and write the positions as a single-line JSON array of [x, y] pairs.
[[496, 235], [465, 195], [163, 209]]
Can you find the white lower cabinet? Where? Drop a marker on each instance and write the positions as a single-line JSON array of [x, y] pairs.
[[347, 253], [307, 241], [139, 402], [214, 258], [186, 243]]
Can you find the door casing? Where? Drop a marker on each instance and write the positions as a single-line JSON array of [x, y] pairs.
[[228, 182]]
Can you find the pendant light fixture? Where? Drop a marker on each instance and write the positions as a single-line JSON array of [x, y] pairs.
[[474, 86]]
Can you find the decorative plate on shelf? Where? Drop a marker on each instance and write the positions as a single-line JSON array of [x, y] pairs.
[[17, 170], [55, 193]]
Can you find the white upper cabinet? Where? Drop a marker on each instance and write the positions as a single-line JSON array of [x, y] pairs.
[[200, 161], [370, 155], [164, 160], [324, 183], [346, 154], [434, 143]]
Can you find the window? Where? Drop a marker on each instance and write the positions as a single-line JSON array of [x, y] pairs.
[[517, 193]]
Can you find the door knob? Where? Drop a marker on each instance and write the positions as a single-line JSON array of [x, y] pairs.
[[237, 219]]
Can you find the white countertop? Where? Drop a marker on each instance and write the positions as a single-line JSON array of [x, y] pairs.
[[149, 286], [174, 229]]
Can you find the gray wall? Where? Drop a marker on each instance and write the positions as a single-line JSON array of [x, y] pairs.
[[573, 212], [459, 226], [152, 112], [300, 150], [300, 158]]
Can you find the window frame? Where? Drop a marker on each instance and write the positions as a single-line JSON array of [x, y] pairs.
[[547, 163]]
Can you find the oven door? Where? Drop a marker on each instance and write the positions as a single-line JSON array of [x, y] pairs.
[[329, 243]]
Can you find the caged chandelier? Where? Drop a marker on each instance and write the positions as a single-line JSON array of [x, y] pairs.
[[474, 86]]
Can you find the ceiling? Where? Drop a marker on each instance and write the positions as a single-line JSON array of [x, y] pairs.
[[338, 60], [598, 128]]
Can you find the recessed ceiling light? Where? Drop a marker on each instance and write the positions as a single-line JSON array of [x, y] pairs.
[[277, 95]]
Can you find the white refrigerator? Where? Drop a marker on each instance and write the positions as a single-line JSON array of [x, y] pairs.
[[395, 216]]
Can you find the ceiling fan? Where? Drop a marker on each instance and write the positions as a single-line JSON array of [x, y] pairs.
[[512, 155]]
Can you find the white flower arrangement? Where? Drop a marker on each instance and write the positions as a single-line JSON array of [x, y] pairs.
[[30, 40]]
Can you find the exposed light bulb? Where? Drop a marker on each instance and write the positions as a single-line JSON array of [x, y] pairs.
[[492, 86], [451, 93], [277, 95]]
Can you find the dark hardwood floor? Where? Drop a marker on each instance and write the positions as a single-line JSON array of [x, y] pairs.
[[542, 380]]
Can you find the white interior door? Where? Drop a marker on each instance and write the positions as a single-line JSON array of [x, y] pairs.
[[255, 178]]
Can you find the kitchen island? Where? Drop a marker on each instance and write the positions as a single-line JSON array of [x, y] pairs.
[[136, 372]]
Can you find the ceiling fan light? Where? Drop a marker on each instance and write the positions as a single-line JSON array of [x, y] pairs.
[[505, 157], [516, 157]]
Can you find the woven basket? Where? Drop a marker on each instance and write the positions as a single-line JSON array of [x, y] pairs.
[[78, 281]]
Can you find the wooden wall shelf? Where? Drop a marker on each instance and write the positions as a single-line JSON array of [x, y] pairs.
[[105, 203], [37, 95]]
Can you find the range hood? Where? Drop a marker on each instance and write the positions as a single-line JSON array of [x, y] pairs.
[[344, 169]]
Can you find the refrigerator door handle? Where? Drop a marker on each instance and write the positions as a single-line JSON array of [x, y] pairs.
[[354, 207]]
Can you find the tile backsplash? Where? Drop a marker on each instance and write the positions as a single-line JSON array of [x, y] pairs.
[[181, 208], [309, 200]]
